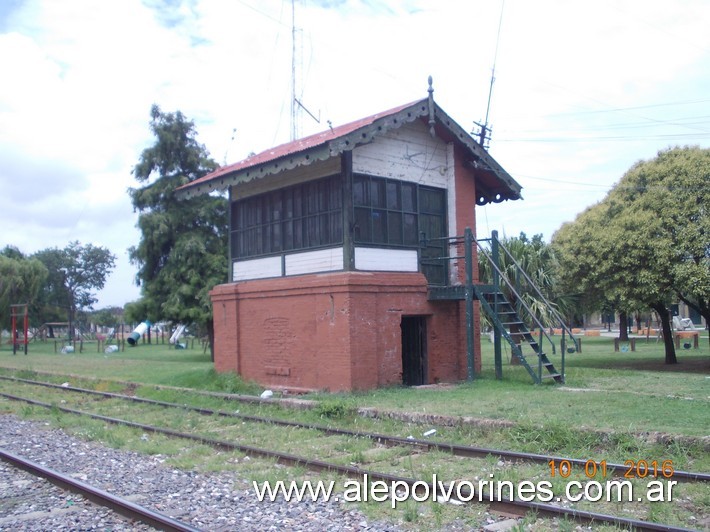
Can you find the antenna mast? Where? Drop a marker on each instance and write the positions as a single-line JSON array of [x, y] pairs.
[[484, 131], [293, 71], [296, 104]]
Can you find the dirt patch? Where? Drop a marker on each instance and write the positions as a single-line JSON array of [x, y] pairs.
[[434, 419], [440, 386], [686, 364], [689, 365], [130, 389], [454, 421]]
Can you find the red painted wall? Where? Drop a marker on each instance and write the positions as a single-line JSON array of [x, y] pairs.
[[335, 331]]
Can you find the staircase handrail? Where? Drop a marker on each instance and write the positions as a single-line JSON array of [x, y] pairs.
[[531, 283], [452, 240], [515, 292]]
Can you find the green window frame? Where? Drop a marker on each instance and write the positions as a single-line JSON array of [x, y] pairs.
[[300, 217], [385, 212], [393, 214]]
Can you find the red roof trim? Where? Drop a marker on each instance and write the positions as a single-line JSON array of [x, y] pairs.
[[297, 146]]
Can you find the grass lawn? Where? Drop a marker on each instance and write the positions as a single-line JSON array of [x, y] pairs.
[[632, 391], [626, 392]]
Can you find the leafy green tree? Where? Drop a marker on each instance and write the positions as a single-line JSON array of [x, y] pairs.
[[598, 284], [53, 298], [107, 317], [21, 280], [12, 252], [537, 259], [182, 254], [648, 242], [75, 273], [672, 192]]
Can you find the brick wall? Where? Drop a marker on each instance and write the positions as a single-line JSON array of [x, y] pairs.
[[335, 331]]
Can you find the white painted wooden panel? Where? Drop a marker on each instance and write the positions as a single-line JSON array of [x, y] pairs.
[[409, 153], [256, 268], [386, 260], [300, 174], [321, 260], [451, 196]]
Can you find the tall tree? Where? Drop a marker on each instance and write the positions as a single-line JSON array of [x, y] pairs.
[[21, 280], [107, 317], [673, 193], [75, 273], [586, 249], [183, 249], [648, 241]]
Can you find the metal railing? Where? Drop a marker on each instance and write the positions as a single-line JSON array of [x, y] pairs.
[[502, 283]]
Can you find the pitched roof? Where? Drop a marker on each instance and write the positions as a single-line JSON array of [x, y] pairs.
[[494, 184]]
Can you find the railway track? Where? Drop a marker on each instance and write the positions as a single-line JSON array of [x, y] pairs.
[[464, 493], [98, 496], [466, 451]]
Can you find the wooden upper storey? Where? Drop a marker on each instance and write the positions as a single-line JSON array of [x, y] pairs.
[[270, 168]]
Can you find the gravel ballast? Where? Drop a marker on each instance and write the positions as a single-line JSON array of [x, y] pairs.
[[219, 501]]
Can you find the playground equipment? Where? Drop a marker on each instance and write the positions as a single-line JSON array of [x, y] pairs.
[[683, 324], [20, 311], [138, 332], [48, 330], [177, 334]]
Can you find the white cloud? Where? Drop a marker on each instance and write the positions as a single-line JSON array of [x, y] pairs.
[[81, 77]]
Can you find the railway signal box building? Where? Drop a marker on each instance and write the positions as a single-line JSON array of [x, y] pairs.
[[335, 243]]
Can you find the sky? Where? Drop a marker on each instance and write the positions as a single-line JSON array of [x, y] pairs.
[[582, 90]]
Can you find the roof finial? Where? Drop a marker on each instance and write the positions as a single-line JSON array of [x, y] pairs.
[[430, 90]]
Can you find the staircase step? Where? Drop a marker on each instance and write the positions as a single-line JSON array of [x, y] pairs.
[[524, 343]]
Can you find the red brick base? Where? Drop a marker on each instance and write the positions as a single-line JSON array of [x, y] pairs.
[[335, 331]]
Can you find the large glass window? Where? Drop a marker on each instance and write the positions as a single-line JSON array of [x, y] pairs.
[[392, 213], [309, 215], [385, 211]]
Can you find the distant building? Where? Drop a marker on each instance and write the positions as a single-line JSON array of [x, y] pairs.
[[333, 248]]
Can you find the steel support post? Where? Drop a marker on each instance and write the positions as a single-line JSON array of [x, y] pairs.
[[495, 255], [468, 255]]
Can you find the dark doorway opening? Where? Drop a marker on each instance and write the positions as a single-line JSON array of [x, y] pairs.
[[414, 359]]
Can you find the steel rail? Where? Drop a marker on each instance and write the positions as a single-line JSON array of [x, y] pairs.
[[385, 439], [103, 498], [512, 506]]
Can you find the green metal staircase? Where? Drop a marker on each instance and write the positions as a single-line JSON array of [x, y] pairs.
[[525, 346], [503, 301]]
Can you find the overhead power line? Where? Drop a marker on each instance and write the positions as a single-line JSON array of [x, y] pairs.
[[624, 109], [679, 136]]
